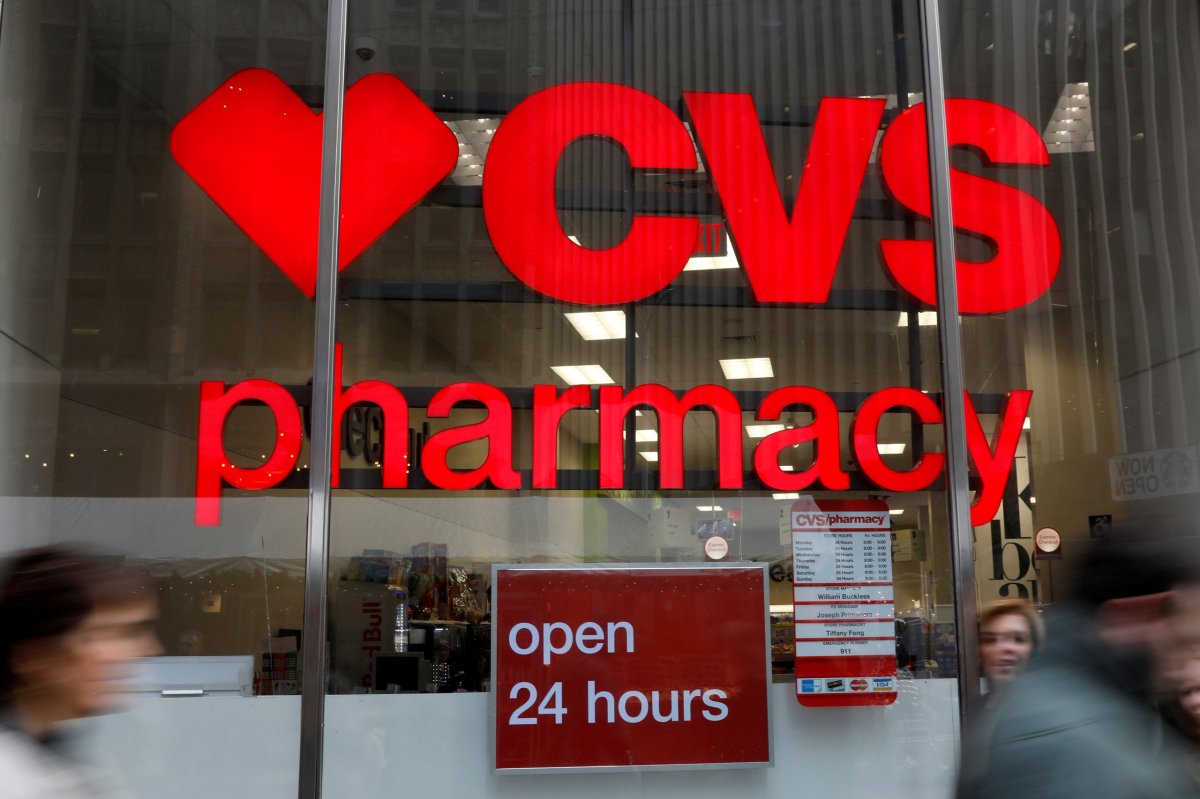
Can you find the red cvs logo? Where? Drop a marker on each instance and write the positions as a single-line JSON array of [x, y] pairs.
[[255, 148]]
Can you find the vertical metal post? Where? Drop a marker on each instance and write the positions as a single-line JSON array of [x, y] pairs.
[[316, 569], [958, 497], [628, 65]]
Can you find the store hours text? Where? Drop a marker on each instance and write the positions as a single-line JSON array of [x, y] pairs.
[[553, 639]]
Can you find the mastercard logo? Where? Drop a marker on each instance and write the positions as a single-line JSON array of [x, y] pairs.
[[858, 685]]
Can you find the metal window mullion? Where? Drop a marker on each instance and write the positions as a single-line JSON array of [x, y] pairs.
[[958, 498], [316, 570]]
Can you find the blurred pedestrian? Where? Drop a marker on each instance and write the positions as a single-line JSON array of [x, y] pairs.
[[72, 623], [1181, 701], [1009, 632], [1079, 722]]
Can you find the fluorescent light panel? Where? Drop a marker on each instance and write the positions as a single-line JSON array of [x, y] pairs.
[[584, 375], [924, 319], [1070, 127], [709, 508], [650, 455], [892, 449], [746, 368], [896, 511], [763, 430], [598, 325], [790, 495]]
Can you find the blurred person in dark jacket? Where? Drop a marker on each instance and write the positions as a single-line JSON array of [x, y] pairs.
[[72, 624], [1180, 704], [1079, 722], [1010, 631]]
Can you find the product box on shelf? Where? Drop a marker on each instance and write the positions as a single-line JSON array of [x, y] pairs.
[[428, 585], [361, 624]]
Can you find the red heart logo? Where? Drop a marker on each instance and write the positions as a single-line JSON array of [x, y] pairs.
[[255, 148]]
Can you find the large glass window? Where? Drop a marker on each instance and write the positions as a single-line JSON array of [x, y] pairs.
[[125, 290], [1109, 351], [616, 277], [443, 297]]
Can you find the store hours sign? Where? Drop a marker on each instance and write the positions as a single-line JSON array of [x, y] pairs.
[[630, 666], [844, 603]]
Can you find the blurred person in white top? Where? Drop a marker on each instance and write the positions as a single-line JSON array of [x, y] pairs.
[[72, 625]]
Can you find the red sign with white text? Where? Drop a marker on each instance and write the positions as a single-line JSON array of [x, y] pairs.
[[630, 666], [844, 603]]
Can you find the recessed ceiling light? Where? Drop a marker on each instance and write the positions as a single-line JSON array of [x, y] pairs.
[[787, 467], [709, 508], [651, 456], [762, 430], [746, 368], [790, 495], [583, 375], [598, 325], [924, 319], [891, 449], [1025, 426], [896, 511], [643, 436], [1129, 46], [1032, 500]]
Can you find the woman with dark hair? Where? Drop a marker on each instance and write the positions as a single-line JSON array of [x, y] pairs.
[[72, 623]]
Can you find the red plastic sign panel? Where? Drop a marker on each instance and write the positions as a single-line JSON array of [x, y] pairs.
[[845, 617], [641, 666]]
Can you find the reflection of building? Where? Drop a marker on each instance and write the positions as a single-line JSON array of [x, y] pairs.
[[1109, 359]]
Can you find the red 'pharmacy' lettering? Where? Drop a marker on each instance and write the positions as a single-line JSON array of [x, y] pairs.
[[992, 460]]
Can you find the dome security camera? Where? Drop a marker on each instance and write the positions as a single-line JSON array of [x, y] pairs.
[[365, 47]]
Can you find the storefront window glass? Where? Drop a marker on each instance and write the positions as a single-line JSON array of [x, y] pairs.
[[479, 284], [126, 289], [1107, 352], [620, 282]]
